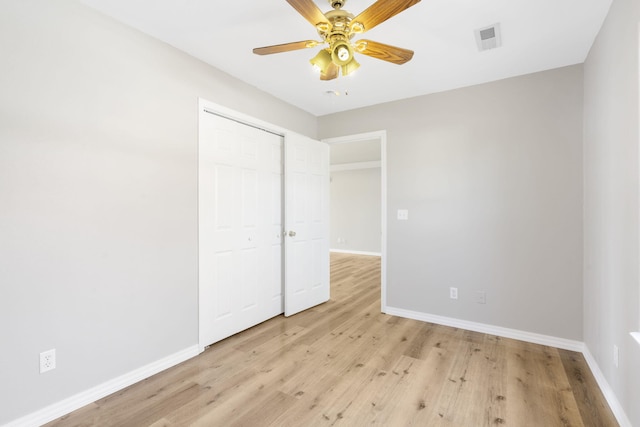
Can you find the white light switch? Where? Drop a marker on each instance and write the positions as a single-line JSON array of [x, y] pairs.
[[403, 214]]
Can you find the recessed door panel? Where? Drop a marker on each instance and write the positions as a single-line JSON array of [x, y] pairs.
[[249, 198], [224, 197], [224, 279], [248, 283]]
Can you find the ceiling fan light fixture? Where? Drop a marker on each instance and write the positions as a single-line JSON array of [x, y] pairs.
[[341, 53], [350, 67], [321, 61]]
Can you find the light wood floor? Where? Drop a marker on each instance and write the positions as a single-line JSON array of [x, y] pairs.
[[345, 364]]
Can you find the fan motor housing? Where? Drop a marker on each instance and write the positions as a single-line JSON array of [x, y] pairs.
[[340, 21]]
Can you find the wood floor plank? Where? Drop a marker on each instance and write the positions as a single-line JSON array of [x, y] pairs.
[[472, 393], [590, 400], [419, 406], [162, 423], [213, 396], [344, 363], [536, 393], [390, 395]]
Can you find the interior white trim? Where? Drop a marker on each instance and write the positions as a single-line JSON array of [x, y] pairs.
[[345, 251], [607, 391], [212, 107], [636, 336], [86, 397], [490, 329], [355, 166], [382, 136]]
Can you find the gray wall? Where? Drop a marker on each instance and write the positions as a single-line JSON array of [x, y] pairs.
[[355, 210], [492, 178], [98, 196], [611, 214]]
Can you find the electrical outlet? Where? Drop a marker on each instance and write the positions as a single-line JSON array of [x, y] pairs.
[[453, 293], [403, 214], [47, 360], [616, 355], [481, 297]]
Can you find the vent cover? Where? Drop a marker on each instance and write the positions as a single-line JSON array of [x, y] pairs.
[[488, 37]]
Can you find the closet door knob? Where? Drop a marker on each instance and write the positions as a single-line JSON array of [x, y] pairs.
[[292, 233]]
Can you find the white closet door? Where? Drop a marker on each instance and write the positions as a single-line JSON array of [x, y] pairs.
[[306, 223], [240, 220]]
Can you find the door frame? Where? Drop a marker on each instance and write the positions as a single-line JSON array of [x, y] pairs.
[[381, 136]]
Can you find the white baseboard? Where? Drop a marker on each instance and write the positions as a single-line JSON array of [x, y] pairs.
[[606, 389], [86, 397], [562, 343], [489, 329], [345, 251]]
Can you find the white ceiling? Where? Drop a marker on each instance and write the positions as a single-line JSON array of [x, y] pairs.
[[536, 35]]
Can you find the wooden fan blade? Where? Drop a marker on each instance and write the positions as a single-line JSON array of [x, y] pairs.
[[382, 10], [386, 52], [309, 10], [332, 72], [286, 47]]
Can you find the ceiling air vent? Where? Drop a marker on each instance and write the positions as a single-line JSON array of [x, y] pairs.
[[488, 37]]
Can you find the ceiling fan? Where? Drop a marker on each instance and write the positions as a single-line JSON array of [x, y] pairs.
[[336, 28]]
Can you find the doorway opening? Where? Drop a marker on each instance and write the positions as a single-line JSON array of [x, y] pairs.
[[358, 198]]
